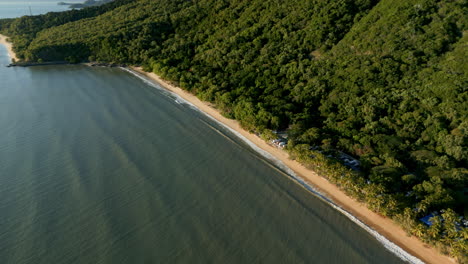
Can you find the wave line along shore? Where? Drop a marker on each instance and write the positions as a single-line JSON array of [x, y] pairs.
[[9, 46], [392, 236]]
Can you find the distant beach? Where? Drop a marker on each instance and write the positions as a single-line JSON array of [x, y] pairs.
[[4, 41], [368, 219]]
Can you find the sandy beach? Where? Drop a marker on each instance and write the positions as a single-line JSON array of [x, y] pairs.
[[9, 46], [382, 225]]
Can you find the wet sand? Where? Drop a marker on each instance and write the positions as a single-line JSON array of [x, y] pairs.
[[4, 41], [382, 225]]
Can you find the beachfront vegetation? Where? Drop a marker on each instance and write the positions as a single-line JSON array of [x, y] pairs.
[[384, 81]]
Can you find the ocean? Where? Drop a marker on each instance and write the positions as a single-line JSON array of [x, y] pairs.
[[100, 166], [11, 9]]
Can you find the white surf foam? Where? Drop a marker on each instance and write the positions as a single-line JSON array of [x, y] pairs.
[[390, 246]]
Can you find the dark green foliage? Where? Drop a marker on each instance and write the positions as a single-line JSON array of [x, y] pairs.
[[385, 81], [23, 30]]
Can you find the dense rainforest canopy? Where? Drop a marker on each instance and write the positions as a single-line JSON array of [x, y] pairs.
[[383, 81]]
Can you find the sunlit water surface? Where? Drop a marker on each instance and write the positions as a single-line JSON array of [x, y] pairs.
[[11, 8]]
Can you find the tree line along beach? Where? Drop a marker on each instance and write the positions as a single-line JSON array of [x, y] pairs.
[[382, 225], [383, 175]]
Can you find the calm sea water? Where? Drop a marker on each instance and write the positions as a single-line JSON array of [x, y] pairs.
[[17, 8], [96, 166]]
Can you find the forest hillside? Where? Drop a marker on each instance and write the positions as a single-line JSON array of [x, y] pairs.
[[384, 82]]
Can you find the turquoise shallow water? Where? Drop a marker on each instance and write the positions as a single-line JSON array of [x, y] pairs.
[[97, 166]]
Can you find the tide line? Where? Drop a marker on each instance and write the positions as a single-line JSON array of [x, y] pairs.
[[390, 246]]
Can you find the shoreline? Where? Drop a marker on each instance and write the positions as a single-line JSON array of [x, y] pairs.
[[9, 46], [392, 236], [388, 233]]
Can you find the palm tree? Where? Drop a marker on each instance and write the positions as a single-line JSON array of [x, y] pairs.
[[419, 230], [434, 230]]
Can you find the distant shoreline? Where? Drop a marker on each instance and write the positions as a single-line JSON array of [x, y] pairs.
[[4, 41], [410, 249]]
